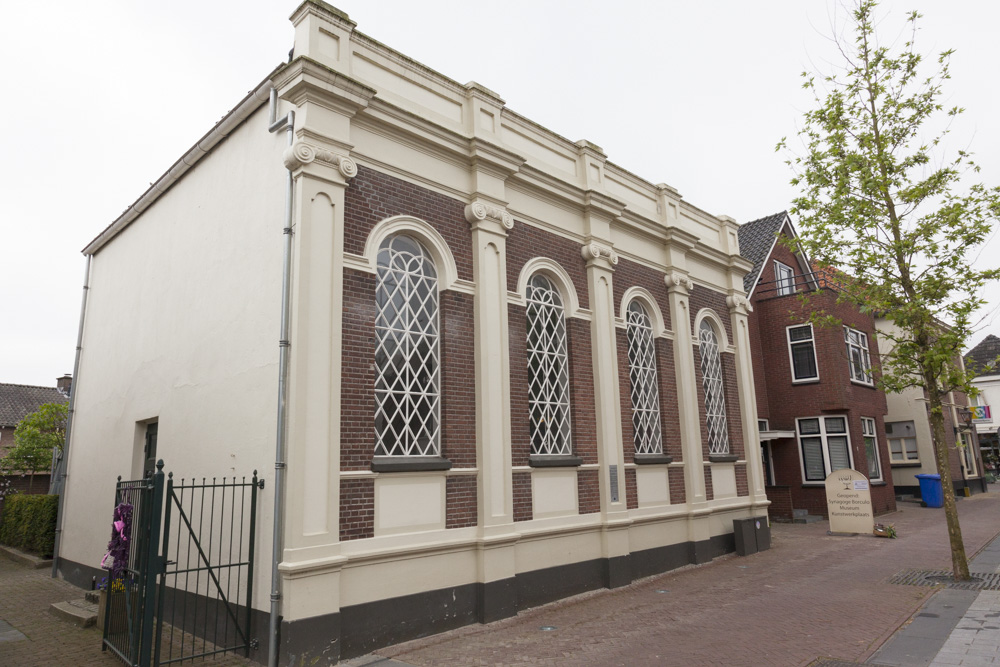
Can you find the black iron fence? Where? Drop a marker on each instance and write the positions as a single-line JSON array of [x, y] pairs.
[[187, 589]]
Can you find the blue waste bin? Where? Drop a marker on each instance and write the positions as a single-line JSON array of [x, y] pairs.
[[930, 490]]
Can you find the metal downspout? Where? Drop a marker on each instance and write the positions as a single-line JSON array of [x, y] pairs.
[[58, 480], [288, 122]]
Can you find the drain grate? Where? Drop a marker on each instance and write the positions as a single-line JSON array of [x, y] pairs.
[[981, 581]]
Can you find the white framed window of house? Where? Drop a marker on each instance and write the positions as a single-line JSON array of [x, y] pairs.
[[871, 449], [857, 355], [548, 369], [643, 380], [824, 445], [784, 277], [407, 351], [762, 425], [968, 456], [902, 437], [712, 383], [802, 353]]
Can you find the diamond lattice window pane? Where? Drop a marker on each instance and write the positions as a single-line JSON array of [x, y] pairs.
[[715, 400], [407, 365], [642, 373], [548, 369]]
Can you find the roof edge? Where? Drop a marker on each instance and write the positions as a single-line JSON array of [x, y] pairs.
[[249, 104]]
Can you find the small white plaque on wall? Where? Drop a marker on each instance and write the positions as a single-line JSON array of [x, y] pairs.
[[409, 503], [553, 493]]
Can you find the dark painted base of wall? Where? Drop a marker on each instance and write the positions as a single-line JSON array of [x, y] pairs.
[[363, 628]]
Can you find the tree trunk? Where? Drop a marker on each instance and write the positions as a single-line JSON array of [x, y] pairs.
[[959, 562]]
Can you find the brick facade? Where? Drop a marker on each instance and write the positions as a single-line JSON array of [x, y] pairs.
[[781, 401], [370, 198]]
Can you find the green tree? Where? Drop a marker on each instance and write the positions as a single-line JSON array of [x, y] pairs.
[[881, 198], [35, 438]]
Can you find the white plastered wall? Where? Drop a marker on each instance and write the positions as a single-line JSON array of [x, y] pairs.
[[182, 327]]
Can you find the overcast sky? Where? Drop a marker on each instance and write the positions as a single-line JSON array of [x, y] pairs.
[[101, 97]]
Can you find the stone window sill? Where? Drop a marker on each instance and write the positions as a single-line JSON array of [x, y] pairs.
[[557, 461], [652, 459], [409, 463], [723, 458]]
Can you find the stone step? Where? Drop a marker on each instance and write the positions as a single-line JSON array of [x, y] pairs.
[[907, 498], [79, 612], [797, 513], [807, 518]]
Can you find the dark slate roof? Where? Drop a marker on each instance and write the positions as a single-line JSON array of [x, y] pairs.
[[983, 357], [17, 401], [756, 240]]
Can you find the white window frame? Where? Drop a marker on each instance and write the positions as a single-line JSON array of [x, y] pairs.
[[400, 336], [811, 341], [548, 402], [858, 340], [643, 381], [784, 278], [869, 435], [968, 456], [824, 435], [714, 386], [905, 460]]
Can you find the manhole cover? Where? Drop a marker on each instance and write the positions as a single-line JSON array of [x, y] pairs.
[[980, 581]]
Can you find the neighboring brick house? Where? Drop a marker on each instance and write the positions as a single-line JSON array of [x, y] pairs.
[[818, 408], [912, 447], [17, 401], [517, 370], [984, 361]]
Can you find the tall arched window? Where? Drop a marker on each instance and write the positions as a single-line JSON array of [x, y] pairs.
[[548, 369], [715, 399], [642, 373], [407, 367]]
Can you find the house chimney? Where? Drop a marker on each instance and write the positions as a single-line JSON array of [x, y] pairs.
[[65, 384]]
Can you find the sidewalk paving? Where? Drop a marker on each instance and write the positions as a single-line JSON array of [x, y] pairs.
[[811, 597]]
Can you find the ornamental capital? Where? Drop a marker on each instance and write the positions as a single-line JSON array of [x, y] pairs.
[[300, 154], [594, 250], [679, 282], [479, 211], [738, 304]]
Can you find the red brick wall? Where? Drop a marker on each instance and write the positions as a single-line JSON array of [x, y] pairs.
[[588, 493], [370, 198], [629, 274], [781, 401], [522, 496], [525, 242], [678, 495], [357, 508]]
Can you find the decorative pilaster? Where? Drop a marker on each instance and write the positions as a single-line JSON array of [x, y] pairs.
[[739, 309], [497, 563], [601, 262], [679, 287]]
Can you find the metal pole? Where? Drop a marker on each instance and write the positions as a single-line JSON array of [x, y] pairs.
[[288, 122], [57, 483]]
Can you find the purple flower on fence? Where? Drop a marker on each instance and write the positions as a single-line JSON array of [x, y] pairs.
[[118, 547]]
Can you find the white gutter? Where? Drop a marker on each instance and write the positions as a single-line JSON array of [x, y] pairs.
[[222, 129]]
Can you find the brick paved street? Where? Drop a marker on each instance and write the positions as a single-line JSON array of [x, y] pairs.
[[811, 595], [25, 596]]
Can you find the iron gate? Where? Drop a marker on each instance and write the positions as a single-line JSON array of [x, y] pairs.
[[186, 589]]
